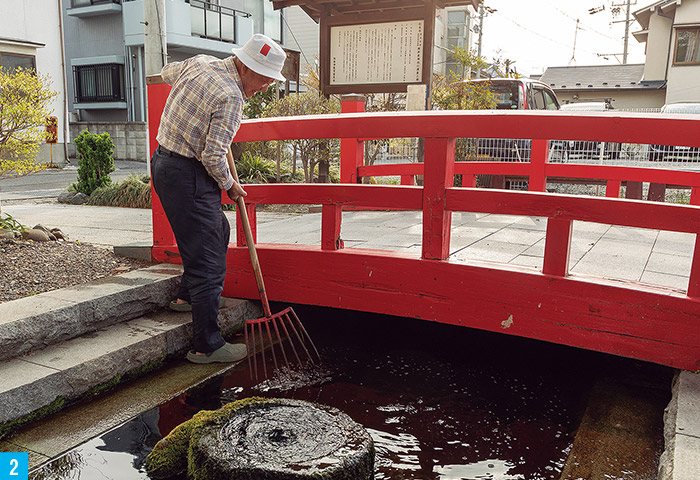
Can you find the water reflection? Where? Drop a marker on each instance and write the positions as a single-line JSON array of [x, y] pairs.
[[440, 402]]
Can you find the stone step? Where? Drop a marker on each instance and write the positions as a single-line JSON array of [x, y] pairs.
[[44, 381], [45, 319]]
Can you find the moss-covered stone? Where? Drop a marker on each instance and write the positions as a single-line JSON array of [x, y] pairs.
[[171, 454], [201, 447], [8, 427]]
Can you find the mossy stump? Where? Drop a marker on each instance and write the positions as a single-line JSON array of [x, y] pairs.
[[265, 439]]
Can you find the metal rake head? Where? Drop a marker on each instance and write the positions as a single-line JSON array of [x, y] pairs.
[[275, 330]]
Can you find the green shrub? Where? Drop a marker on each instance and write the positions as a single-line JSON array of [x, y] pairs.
[[94, 161], [134, 192], [254, 169], [8, 222]]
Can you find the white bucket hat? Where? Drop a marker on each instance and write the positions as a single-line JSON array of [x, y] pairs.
[[262, 55]]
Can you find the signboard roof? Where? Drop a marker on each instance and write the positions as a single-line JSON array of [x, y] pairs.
[[340, 7]]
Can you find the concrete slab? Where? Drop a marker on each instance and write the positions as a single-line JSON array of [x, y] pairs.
[[489, 250], [518, 236], [677, 282], [675, 243], [668, 264], [615, 259]]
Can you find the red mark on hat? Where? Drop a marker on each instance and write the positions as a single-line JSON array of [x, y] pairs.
[[265, 49]]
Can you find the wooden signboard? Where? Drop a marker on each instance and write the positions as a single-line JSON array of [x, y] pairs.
[[380, 52]]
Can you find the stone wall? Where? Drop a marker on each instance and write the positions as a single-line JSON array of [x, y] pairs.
[[130, 138]]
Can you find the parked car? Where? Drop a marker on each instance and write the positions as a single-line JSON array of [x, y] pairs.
[[660, 153], [514, 94], [564, 150]]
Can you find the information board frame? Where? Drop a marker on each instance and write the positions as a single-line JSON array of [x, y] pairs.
[[425, 14]]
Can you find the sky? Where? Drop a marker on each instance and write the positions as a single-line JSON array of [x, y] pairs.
[[540, 33]]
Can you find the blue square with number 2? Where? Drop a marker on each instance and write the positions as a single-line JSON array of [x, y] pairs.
[[14, 465]]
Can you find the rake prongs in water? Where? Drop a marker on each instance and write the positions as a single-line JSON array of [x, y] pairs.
[[292, 329], [307, 336]]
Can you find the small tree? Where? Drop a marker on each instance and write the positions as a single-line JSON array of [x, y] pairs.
[[25, 99], [312, 151], [24, 106], [94, 161]]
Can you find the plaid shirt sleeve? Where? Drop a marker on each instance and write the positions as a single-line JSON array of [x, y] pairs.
[[224, 124]]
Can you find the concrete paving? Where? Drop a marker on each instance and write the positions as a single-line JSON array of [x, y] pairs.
[[661, 258]]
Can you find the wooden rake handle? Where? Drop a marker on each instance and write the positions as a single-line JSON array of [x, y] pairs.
[[249, 239]]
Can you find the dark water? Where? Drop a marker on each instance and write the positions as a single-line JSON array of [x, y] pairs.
[[441, 402]]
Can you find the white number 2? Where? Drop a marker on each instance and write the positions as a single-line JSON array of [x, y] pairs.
[[14, 463]]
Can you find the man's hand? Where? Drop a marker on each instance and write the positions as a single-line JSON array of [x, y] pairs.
[[236, 191]]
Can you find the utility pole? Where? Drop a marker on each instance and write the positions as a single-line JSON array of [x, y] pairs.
[[573, 54], [155, 47], [627, 33]]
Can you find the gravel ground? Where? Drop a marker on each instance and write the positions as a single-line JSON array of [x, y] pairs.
[[28, 268]]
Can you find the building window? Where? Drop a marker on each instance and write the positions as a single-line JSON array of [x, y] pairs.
[[10, 61], [687, 46], [98, 83], [87, 3]]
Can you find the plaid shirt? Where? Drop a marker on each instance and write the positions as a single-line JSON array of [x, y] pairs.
[[203, 112]]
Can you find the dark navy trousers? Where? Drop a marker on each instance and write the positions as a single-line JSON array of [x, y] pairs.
[[192, 203]]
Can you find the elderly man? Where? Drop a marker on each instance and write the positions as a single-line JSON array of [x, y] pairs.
[[189, 169]]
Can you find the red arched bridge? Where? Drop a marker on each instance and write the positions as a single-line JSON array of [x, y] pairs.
[[624, 318]]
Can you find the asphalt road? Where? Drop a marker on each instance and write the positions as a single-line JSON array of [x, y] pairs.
[[50, 183]]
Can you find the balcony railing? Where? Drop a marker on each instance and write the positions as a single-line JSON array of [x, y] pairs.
[[213, 21]]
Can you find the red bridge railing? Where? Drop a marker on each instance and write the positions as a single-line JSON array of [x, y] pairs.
[[620, 317]]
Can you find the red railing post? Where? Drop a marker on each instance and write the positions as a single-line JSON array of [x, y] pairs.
[[352, 151], [557, 247], [331, 220], [538, 158], [157, 95], [612, 188], [694, 281], [438, 176]]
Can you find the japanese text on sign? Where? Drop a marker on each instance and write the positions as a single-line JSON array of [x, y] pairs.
[[377, 53]]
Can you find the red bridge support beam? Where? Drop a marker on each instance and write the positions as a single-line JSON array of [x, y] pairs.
[[538, 160], [352, 151], [438, 176], [557, 247], [162, 233]]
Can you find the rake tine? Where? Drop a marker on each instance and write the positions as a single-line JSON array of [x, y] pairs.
[[272, 343], [281, 342], [255, 362], [286, 333], [247, 344], [306, 334], [262, 349], [291, 324]]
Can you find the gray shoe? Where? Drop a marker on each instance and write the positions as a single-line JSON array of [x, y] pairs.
[[229, 353], [187, 307]]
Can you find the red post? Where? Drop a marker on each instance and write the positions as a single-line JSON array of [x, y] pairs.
[[469, 181], [252, 219], [557, 247], [438, 175], [408, 180], [157, 95], [694, 282], [538, 158], [695, 196], [331, 220], [657, 192], [634, 190], [612, 188], [352, 151]]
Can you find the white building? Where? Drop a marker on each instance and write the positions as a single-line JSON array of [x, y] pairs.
[[30, 36]]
